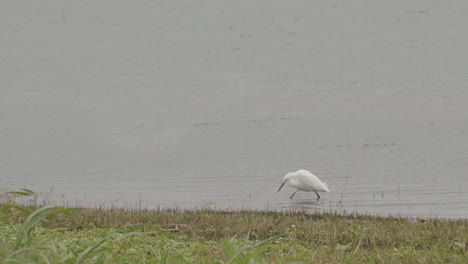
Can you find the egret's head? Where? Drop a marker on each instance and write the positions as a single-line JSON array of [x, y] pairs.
[[285, 180]]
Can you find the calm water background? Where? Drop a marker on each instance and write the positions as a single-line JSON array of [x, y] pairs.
[[210, 103]]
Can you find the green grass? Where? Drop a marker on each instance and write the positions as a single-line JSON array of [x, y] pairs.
[[204, 236]]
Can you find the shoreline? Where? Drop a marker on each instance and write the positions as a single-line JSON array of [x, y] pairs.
[[207, 236]]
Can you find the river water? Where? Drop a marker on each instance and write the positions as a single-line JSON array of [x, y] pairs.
[[194, 104]]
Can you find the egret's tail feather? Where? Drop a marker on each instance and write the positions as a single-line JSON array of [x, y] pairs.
[[325, 187]]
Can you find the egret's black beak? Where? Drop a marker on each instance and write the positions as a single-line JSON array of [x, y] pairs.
[[281, 186]]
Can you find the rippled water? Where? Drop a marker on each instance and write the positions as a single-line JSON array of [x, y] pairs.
[[209, 104]]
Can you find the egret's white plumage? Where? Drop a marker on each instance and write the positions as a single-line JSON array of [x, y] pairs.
[[304, 180]]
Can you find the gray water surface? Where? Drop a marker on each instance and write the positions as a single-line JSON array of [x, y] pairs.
[[209, 103]]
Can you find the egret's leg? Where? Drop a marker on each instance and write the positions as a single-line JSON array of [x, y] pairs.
[[318, 196], [293, 195]]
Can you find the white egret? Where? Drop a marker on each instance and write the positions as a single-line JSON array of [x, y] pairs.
[[305, 181]]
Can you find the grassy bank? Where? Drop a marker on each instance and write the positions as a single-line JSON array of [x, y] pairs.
[[228, 237]]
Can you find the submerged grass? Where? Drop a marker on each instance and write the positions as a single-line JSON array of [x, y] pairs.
[[205, 236]]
